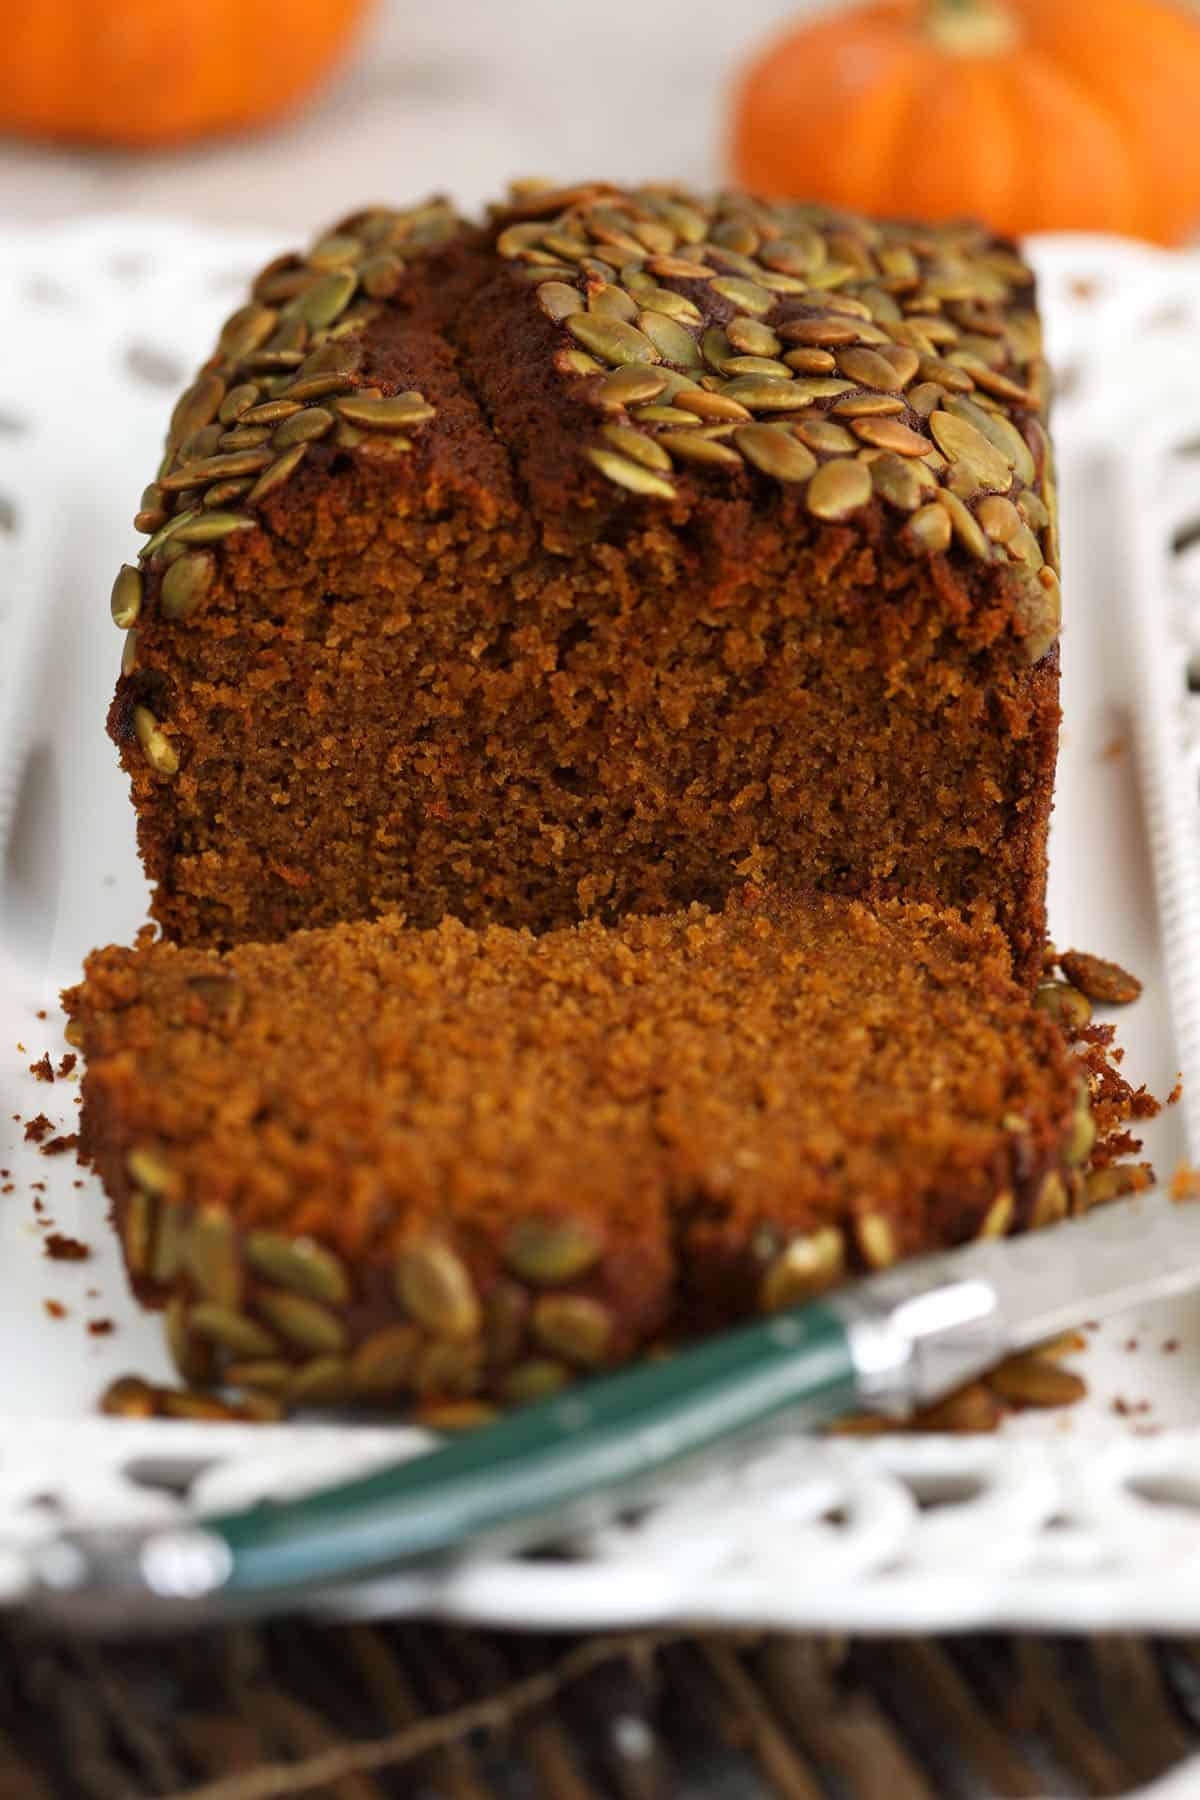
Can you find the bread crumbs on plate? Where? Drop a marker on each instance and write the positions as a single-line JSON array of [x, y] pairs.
[[43, 1068], [55, 1309], [61, 1248], [37, 1128]]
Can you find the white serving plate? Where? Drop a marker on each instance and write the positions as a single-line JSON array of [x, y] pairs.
[[1078, 1518]]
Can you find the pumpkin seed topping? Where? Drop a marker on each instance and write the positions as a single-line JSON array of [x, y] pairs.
[[838, 489], [300, 1264], [126, 601], [574, 1327], [157, 748], [434, 1285], [774, 451]]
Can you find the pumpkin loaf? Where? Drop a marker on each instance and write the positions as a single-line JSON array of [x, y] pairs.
[[591, 559], [375, 1161]]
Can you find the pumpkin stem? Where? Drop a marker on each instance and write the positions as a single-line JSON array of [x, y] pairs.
[[971, 27]]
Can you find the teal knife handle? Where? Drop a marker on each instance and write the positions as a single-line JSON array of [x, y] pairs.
[[548, 1463]]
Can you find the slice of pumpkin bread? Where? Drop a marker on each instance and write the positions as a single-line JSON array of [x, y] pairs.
[[374, 1161]]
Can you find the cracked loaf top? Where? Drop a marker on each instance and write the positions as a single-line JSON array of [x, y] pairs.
[[600, 354]]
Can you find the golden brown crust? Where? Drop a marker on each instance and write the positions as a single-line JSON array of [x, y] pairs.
[[507, 1151]]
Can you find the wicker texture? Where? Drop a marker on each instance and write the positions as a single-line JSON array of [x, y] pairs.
[[362, 1713]]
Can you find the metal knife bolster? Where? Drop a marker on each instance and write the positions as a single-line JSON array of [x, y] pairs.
[[912, 1342]]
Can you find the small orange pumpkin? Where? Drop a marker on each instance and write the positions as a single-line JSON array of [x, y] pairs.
[[1034, 115], [141, 72]]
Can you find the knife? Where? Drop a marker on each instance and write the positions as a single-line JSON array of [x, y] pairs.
[[890, 1343]]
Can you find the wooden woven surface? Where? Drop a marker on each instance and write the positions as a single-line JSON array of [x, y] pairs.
[[366, 1712]]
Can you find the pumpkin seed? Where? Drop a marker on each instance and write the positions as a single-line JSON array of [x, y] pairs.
[[393, 412], [157, 748], [1081, 1141], [998, 1217], [867, 406], [128, 1397], [324, 300], [383, 1363], [697, 447], [666, 300], [961, 443], [612, 340], [1031, 1381], [808, 1266], [775, 451], [577, 362], [249, 438], [448, 1366], [547, 1251], [821, 331], [186, 584], [245, 330], [558, 300], [628, 385], [301, 1321], [1064, 1003], [196, 407], [891, 435], [333, 251], [317, 387], [306, 424], [230, 1330], [896, 481], [380, 276], [766, 393], [166, 1252], [536, 1379], [867, 368], [126, 602], [699, 404], [129, 653], [823, 435], [193, 1359], [211, 528], [838, 489], [757, 365], [321, 1381], [137, 1229], [667, 415], [574, 1327], [630, 475], [210, 1257], [638, 445], [999, 518], [746, 296], [810, 362], [148, 1170], [268, 1374], [964, 525], [1114, 1182], [928, 532], [1040, 614], [752, 338], [1050, 1204], [927, 396], [876, 1240], [434, 1285], [238, 401], [611, 302], [278, 473], [1103, 981], [674, 343], [301, 1264]]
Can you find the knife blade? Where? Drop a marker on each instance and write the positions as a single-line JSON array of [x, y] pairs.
[[893, 1342]]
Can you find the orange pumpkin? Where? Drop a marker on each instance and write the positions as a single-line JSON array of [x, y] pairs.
[[141, 72], [1032, 114]]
